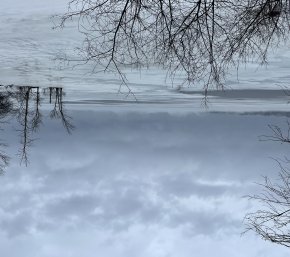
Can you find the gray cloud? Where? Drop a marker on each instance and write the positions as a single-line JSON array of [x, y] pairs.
[[17, 224], [176, 177]]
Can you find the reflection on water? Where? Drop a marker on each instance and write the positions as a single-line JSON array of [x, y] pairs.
[[23, 103]]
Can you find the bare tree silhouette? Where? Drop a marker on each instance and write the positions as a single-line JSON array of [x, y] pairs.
[[37, 116], [201, 37], [58, 112], [29, 118], [24, 102], [27, 110], [6, 107], [272, 221], [4, 159]]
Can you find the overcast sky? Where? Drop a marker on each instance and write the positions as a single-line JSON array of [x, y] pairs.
[[137, 184]]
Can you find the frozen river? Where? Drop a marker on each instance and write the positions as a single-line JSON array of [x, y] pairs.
[[29, 48], [160, 176]]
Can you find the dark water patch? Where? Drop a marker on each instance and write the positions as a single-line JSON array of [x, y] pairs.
[[242, 93]]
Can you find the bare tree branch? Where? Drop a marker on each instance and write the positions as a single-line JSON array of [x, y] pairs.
[[202, 37], [272, 221]]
